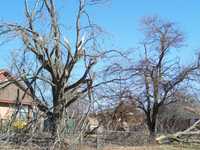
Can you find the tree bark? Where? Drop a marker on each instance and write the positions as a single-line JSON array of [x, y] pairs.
[[57, 124], [151, 123]]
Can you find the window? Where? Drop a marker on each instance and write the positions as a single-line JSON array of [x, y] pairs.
[[23, 113]]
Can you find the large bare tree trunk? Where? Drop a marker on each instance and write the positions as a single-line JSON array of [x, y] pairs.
[[57, 124]]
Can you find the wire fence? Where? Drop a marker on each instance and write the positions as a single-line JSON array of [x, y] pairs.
[[107, 137], [80, 141]]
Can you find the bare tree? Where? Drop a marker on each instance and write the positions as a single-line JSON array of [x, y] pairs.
[[156, 76], [159, 74], [49, 58]]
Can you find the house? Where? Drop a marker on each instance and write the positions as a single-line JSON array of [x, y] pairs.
[[178, 116], [125, 116], [14, 96]]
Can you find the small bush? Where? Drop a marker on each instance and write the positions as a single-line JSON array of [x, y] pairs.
[[19, 124]]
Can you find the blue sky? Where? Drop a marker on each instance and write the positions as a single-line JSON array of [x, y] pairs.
[[120, 18]]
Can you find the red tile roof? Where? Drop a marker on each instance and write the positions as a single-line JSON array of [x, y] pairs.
[[3, 75]]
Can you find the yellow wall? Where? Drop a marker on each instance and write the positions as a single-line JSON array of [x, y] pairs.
[[6, 112]]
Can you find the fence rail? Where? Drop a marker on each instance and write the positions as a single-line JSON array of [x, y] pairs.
[[93, 141]]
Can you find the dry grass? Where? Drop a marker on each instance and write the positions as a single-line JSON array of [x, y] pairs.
[[155, 147], [150, 147], [112, 147]]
